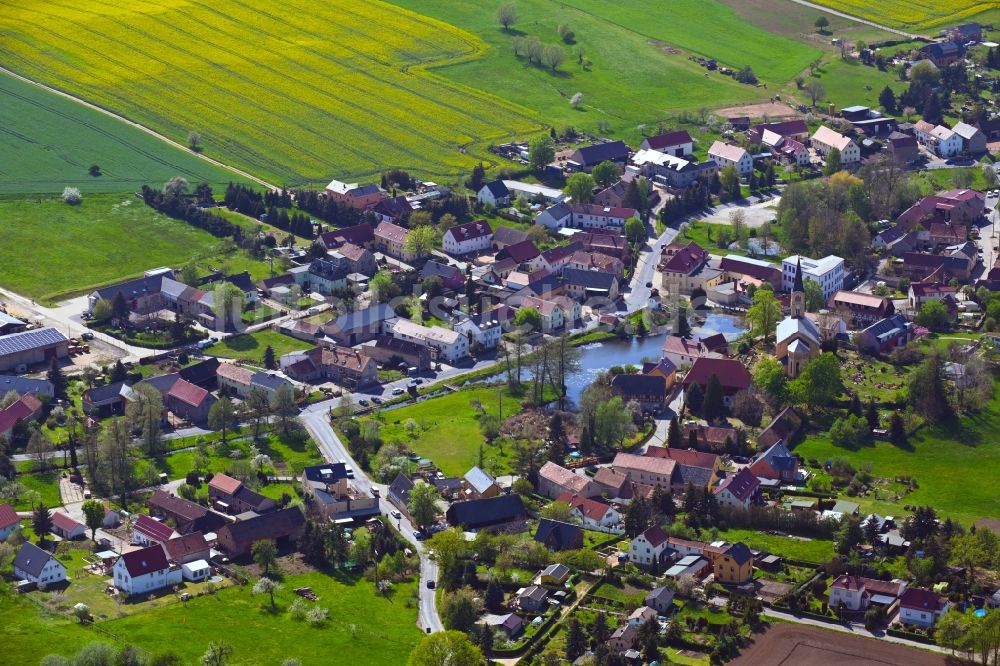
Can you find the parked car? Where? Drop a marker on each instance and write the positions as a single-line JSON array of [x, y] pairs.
[[377, 400], [87, 335], [430, 585], [396, 514], [363, 402], [398, 391]]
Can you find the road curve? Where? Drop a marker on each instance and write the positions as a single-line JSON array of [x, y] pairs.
[[316, 419], [142, 127]]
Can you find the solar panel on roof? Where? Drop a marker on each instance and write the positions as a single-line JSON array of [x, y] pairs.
[[16, 343]]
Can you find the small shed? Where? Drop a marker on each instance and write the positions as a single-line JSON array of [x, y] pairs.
[[196, 571]]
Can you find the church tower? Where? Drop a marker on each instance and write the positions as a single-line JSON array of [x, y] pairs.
[[798, 304]]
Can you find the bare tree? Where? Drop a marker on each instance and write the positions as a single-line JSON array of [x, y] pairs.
[[815, 90], [507, 15], [553, 56]]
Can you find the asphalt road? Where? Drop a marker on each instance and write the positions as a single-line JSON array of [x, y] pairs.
[[638, 296], [316, 420]]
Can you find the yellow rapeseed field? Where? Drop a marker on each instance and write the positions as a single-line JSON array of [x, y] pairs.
[[293, 91], [916, 15]]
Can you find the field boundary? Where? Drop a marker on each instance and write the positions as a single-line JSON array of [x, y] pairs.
[[137, 125], [837, 12]]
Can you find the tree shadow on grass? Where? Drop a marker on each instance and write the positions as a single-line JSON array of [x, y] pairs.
[[241, 343]]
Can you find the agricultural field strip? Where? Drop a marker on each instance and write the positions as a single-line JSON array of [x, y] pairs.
[[115, 137], [911, 13], [489, 127]]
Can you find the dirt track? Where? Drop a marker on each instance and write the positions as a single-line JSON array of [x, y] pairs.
[[796, 645]]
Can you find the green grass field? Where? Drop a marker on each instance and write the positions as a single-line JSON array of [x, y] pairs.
[[251, 346], [49, 142], [257, 636], [814, 550], [52, 250], [848, 82], [295, 94], [953, 464], [448, 431]]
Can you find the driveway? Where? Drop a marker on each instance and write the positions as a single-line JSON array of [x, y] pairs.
[[318, 424]]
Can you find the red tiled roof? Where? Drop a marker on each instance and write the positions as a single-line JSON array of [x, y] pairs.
[[683, 259], [742, 485], [146, 560], [187, 393], [64, 522], [845, 582], [655, 535], [921, 599], [153, 529], [25, 407], [225, 484], [391, 232], [591, 508], [687, 457], [359, 234], [182, 546], [732, 375], [470, 230], [669, 139], [8, 516], [234, 373]]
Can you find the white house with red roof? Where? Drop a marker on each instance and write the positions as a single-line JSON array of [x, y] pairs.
[[678, 143], [26, 408], [467, 238], [555, 480], [732, 375], [738, 490], [66, 527], [724, 154], [825, 139], [145, 570], [921, 607], [593, 513], [8, 521], [848, 592], [648, 548], [148, 531]]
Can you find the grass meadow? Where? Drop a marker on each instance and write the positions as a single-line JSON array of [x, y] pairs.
[[251, 346], [953, 464], [52, 250], [49, 142], [294, 93]]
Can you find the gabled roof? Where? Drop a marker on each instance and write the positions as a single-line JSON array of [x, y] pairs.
[[391, 232], [742, 485], [559, 535], [400, 488], [668, 140], [638, 386], [177, 506], [686, 457], [683, 259], [359, 234], [153, 529], [781, 429], [629, 461], [727, 152], [31, 559], [479, 513], [225, 484], [588, 507], [509, 235], [732, 375], [23, 408], [614, 151], [790, 326], [655, 536], [15, 343], [519, 252], [63, 522], [831, 138], [8, 516], [202, 372], [470, 231], [188, 393], [185, 546], [479, 480], [144, 561], [589, 279], [739, 552], [24, 385], [498, 189], [921, 599], [274, 525], [562, 477]]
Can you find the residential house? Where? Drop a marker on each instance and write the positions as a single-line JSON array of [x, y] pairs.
[[390, 239], [921, 607], [623, 638], [945, 142], [606, 241], [33, 347], [555, 480], [450, 346], [347, 367], [232, 496], [595, 261], [187, 401], [22, 385], [861, 309], [902, 147], [786, 149], [148, 531], [724, 154], [965, 33], [595, 514], [556, 535], [783, 428], [240, 381], [921, 267], [555, 259], [504, 512], [973, 139], [354, 195], [512, 625], [144, 571], [791, 129], [392, 209], [641, 616], [709, 438], [663, 368], [362, 235], [556, 313], [507, 236], [533, 599], [648, 391], [828, 272], [676, 173], [645, 470], [848, 592], [692, 468], [237, 538], [67, 528], [618, 486], [921, 292], [9, 521], [186, 515], [467, 238], [486, 327], [678, 143], [682, 266], [613, 196], [732, 375], [479, 485], [394, 352], [398, 493], [24, 409], [323, 276], [452, 278], [737, 490], [38, 566], [187, 549], [585, 216], [353, 328], [942, 54], [683, 352], [590, 284], [661, 599], [334, 496], [143, 295], [884, 336], [777, 462], [494, 194], [825, 139], [555, 574], [735, 566], [357, 259], [587, 157], [649, 548]]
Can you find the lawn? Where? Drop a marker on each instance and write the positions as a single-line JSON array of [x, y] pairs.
[[814, 550], [848, 82], [919, 15], [634, 79], [49, 142], [447, 431], [952, 463], [46, 484], [347, 636], [272, 109], [251, 346], [52, 250]]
